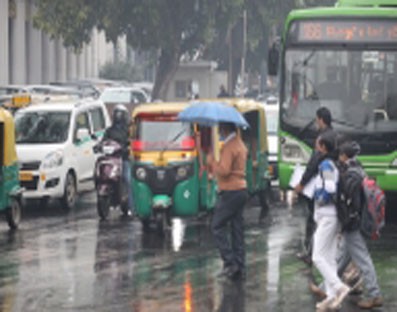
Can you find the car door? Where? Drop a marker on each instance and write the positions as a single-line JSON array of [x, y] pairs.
[[83, 147]]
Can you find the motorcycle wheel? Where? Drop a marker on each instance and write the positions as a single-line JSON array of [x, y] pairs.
[[124, 201], [103, 207]]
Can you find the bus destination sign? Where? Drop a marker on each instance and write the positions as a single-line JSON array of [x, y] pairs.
[[343, 31]]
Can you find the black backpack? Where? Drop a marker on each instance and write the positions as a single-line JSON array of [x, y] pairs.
[[348, 215]]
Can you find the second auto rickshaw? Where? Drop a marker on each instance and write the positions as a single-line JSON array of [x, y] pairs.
[[256, 139]]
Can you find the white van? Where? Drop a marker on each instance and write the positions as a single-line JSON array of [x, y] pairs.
[[55, 148]]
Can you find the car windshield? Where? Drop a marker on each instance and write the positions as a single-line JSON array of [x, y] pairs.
[[157, 135], [359, 88], [116, 96], [272, 121], [42, 127]]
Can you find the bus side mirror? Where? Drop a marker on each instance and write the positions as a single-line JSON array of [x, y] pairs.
[[272, 60]]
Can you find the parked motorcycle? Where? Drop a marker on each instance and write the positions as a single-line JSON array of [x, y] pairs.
[[110, 187]]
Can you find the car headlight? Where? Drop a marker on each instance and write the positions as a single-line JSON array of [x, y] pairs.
[[141, 173], [53, 159], [293, 151], [394, 163]]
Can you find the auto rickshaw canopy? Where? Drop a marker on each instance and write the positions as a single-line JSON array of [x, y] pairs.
[[245, 106], [7, 133], [159, 108]]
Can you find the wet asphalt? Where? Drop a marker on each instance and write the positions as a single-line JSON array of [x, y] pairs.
[[60, 261]]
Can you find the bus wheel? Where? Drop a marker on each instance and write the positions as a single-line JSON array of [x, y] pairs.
[[13, 213], [263, 201]]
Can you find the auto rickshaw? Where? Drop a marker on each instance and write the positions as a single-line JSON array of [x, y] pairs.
[[10, 190], [255, 138], [169, 178]]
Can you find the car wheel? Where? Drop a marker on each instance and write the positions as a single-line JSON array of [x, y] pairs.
[[70, 193], [13, 213]]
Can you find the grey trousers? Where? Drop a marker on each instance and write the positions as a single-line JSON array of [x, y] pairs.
[[355, 248]]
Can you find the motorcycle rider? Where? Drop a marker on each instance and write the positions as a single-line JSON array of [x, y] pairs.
[[119, 132]]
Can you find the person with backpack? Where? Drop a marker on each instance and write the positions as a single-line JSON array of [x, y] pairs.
[[351, 206], [325, 238]]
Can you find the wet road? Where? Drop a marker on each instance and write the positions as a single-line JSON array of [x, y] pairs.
[[73, 262]]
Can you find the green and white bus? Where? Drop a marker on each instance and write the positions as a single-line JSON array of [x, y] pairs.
[[344, 58]]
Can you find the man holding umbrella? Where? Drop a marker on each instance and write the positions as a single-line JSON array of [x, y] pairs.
[[229, 172]]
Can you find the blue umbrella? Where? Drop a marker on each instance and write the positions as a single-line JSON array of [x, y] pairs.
[[211, 113]]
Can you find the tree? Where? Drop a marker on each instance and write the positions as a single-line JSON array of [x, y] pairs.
[[171, 27]]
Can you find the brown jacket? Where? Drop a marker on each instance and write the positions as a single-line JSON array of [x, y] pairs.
[[230, 170]]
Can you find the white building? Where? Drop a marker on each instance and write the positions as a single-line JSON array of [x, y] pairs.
[[29, 56], [199, 78]]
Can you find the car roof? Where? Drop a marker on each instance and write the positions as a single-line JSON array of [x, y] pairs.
[[68, 105], [123, 89]]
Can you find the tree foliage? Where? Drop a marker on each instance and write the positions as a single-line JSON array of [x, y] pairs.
[[171, 28]]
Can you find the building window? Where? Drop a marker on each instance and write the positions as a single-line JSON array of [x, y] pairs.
[[182, 89]]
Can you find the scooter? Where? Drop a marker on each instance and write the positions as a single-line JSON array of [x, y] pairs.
[[110, 188]]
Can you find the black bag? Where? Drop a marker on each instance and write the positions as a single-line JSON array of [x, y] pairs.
[[348, 215]]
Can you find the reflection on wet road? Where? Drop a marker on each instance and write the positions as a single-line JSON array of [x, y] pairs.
[[73, 262]]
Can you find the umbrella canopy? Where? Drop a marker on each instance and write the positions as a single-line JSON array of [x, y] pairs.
[[211, 113]]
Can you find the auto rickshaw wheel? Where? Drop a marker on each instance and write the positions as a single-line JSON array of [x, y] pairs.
[[70, 193], [263, 201], [103, 206], [13, 213], [163, 220]]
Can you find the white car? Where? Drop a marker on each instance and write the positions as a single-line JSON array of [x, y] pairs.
[[54, 144], [272, 112]]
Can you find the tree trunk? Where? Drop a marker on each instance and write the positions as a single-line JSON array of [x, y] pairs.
[[166, 68]]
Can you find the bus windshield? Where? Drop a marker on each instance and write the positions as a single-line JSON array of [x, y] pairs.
[[359, 88]]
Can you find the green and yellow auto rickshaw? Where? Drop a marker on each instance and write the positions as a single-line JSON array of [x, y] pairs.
[[10, 190], [169, 178], [255, 138]]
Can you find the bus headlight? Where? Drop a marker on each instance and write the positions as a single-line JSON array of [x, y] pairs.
[[292, 151], [394, 163], [141, 173]]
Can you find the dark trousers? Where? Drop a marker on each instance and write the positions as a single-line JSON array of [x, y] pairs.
[[229, 211], [310, 227]]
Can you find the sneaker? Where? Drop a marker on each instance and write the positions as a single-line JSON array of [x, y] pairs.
[[324, 305], [317, 291], [370, 303], [341, 294]]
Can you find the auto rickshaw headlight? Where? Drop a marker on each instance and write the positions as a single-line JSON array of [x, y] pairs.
[[141, 173], [182, 172]]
